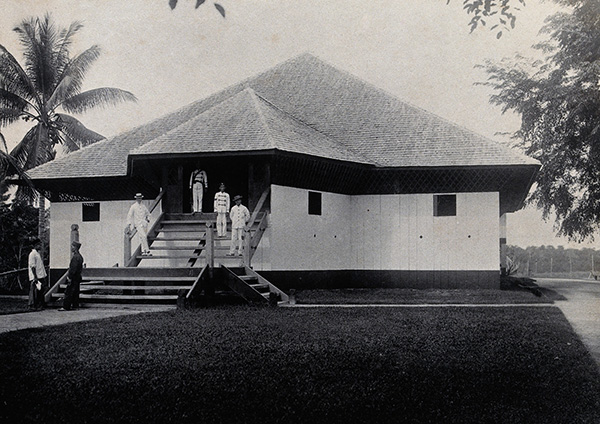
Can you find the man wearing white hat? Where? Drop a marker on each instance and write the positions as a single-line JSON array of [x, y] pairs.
[[239, 216], [139, 218]]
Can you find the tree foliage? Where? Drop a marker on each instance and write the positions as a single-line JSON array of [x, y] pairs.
[[220, 9], [558, 100], [545, 259], [18, 226], [41, 91], [498, 15]]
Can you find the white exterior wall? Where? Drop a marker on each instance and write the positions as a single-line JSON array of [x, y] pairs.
[[382, 232], [300, 241], [102, 241]]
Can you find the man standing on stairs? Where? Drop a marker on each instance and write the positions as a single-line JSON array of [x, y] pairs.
[[221, 207], [198, 183], [139, 218], [239, 218], [71, 300]]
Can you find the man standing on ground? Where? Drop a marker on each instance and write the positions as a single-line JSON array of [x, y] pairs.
[[37, 277], [239, 218], [71, 300], [139, 218], [221, 207]]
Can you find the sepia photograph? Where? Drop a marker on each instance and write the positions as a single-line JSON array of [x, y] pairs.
[[275, 211]]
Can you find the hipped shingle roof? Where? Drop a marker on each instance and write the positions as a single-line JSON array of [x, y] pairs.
[[303, 106]]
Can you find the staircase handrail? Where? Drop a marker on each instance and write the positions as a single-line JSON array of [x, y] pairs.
[[197, 282], [55, 287], [259, 205], [151, 233], [272, 288], [252, 242], [128, 236]]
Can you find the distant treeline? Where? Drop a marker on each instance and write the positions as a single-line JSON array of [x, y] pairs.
[[549, 259]]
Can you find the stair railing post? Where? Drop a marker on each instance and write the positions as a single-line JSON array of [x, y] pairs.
[[74, 236], [247, 255], [126, 246], [210, 246]]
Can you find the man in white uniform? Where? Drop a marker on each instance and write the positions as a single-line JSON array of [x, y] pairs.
[[221, 207], [139, 218], [37, 276], [198, 183], [239, 216]]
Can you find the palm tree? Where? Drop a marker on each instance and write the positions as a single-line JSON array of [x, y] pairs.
[[49, 82]]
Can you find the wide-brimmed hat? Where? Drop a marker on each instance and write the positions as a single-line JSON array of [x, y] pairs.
[[238, 197], [76, 244], [139, 196]]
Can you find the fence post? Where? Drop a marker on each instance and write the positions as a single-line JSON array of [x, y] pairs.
[[74, 236]]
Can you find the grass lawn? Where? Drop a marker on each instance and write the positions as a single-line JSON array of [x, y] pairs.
[[13, 305], [428, 296], [264, 365]]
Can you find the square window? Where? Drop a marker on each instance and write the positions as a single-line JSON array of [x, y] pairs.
[[314, 203], [444, 205], [90, 212]]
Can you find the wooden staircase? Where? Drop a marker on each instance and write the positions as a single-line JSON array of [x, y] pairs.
[[131, 285], [179, 240], [184, 247], [252, 286]]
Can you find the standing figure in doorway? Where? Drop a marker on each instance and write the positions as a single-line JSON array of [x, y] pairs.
[[198, 183], [139, 218], [240, 215], [221, 208], [37, 277], [71, 300]]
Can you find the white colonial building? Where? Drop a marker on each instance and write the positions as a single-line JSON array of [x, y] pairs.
[[361, 189]]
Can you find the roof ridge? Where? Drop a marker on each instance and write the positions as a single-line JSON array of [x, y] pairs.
[[255, 99], [429, 114], [329, 137]]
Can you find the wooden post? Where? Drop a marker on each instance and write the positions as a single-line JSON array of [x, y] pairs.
[[126, 246], [210, 247], [74, 236], [247, 247]]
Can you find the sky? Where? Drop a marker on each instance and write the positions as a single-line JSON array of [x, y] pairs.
[[420, 51]]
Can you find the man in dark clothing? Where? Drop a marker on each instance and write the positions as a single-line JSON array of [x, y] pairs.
[[71, 299]]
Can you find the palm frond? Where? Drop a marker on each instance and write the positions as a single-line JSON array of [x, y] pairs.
[[72, 76], [12, 100], [34, 149], [62, 54], [3, 140], [98, 97], [9, 169], [76, 131], [13, 76], [8, 115], [39, 39]]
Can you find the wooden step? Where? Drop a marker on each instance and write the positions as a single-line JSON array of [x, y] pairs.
[[94, 280], [181, 230], [128, 297], [115, 287], [198, 247], [159, 238], [185, 222]]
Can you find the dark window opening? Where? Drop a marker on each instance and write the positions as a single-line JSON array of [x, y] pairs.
[[444, 205], [90, 211], [314, 203]]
